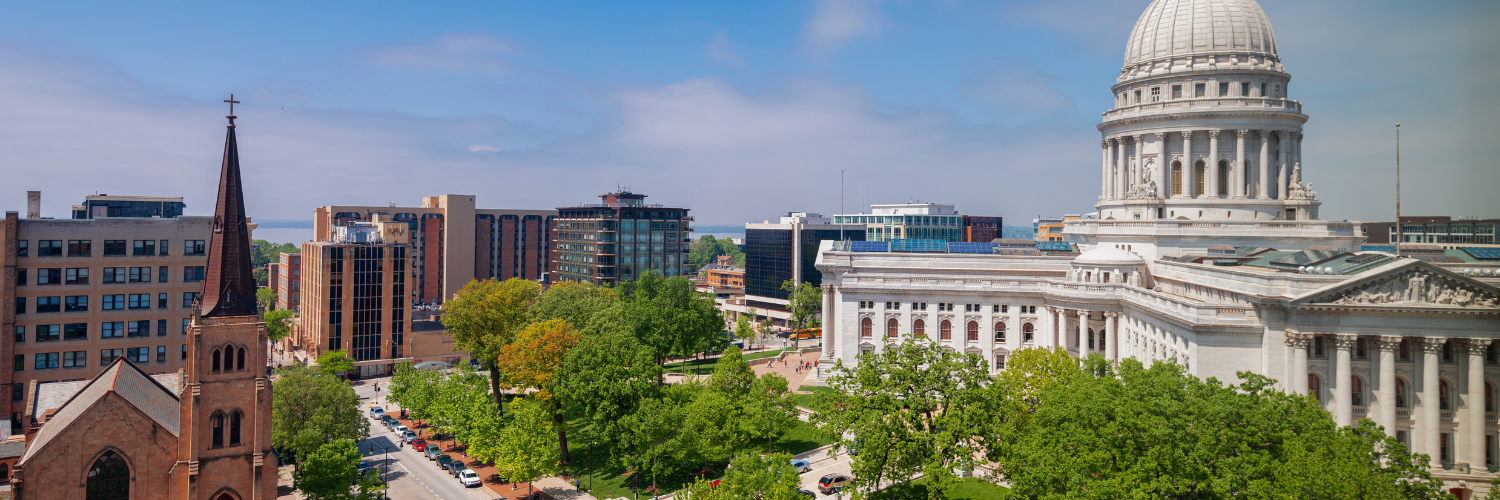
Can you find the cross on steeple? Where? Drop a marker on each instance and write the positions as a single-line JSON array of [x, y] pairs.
[[231, 102]]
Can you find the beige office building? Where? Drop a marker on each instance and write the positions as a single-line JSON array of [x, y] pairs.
[[357, 294]]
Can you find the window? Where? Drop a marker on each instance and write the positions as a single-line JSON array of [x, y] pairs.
[[188, 298], [999, 332], [1137, 97], [80, 248], [114, 247], [192, 247], [145, 247], [1200, 90], [1489, 396], [21, 277], [890, 328], [75, 331], [945, 330], [111, 329], [21, 248], [239, 360], [46, 333], [1245, 89], [1447, 349], [76, 276], [48, 304], [185, 323], [919, 306], [944, 307], [75, 359], [109, 478], [1028, 332], [217, 422], [1155, 94], [866, 328], [46, 360], [20, 334], [49, 248], [161, 247], [1403, 351], [50, 276], [1490, 352], [919, 328], [140, 275], [138, 354], [1318, 351], [107, 356], [17, 392], [999, 361], [113, 302], [1176, 91], [1263, 90], [234, 428], [1224, 89], [162, 273], [971, 331], [1315, 387], [20, 305], [1000, 308], [114, 275], [1444, 402], [1444, 450], [161, 354], [76, 303], [1359, 348], [184, 351], [140, 301], [138, 328], [20, 363], [161, 301], [192, 273], [1357, 391], [1401, 395], [161, 328], [214, 356]]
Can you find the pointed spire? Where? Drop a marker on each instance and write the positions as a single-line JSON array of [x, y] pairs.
[[228, 286]]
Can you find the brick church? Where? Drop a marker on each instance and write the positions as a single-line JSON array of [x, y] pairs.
[[126, 435]]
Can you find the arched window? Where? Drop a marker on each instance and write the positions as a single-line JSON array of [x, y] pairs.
[[1401, 397], [239, 360], [1027, 332], [918, 328], [1224, 177], [890, 328], [972, 331], [1315, 386], [4, 472], [999, 332], [945, 330], [215, 356], [1199, 169], [234, 428], [1356, 391], [1443, 401], [1176, 177], [217, 423], [109, 478], [866, 328]]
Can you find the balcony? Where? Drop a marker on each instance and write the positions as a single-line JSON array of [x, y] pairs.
[[1203, 104]]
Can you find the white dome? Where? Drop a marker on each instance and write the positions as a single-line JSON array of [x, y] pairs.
[[1177, 28], [1108, 256]]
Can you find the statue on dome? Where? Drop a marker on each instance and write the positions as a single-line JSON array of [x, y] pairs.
[[1295, 190]]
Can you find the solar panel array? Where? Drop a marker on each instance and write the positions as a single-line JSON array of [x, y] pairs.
[[1305, 257], [869, 246], [968, 247], [920, 246], [1378, 248], [1483, 253], [1366, 258]]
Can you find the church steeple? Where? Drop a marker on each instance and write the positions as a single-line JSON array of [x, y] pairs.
[[228, 285]]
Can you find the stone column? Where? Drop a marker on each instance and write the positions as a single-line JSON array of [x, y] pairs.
[[1164, 167], [1083, 332], [1431, 421], [1189, 174], [1387, 390], [1138, 148], [1343, 399], [1122, 179], [1105, 183], [1284, 148], [1473, 423], [1211, 167], [1299, 343], [828, 321], [1060, 334], [1112, 336], [1237, 184], [1261, 190]]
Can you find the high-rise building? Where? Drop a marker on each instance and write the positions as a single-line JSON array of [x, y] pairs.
[[979, 229], [916, 221], [1441, 230], [358, 293], [787, 250], [103, 205], [454, 242], [620, 239], [288, 281]]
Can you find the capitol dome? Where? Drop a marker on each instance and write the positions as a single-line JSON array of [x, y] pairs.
[[1197, 28]]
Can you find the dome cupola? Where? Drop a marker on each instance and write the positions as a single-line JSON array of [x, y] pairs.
[[1200, 34]]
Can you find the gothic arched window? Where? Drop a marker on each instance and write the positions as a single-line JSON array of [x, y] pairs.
[[866, 328], [109, 478], [215, 357], [999, 332], [234, 428], [890, 328], [216, 422], [239, 360]]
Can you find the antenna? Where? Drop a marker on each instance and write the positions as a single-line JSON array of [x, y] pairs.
[[1398, 190]]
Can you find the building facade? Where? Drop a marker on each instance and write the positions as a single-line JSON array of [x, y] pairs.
[[358, 294], [103, 205], [921, 221], [619, 239], [979, 229], [454, 242], [1050, 230], [787, 250], [288, 282], [1440, 230], [1222, 266]]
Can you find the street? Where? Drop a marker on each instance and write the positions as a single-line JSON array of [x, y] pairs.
[[410, 474]]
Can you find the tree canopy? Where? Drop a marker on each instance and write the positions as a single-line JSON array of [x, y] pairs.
[[278, 324], [672, 318], [707, 248], [328, 472], [310, 409], [804, 300], [484, 317], [336, 362], [532, 361]]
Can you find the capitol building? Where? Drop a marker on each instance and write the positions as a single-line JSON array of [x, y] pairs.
[[1208, 251]]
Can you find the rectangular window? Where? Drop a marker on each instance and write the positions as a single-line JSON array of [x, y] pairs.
[[21, 248], [188, 298], [138, 328], [161, 328], [192, 273], [20, 363], [1263, 90], [80, 248], [1224, 89], [114, 248], [185, 323], [49, 276], [76, 276], [47, 333], [111, 329], [1200, 90], [1155, 94], [184, 351], [145, 247], [162, 274], [47, 360], [75, 359], [1137, 97], [112, 302], [161, 301], [76, 303], [138, 354], [140, 275], [20, 334], [1245, 89], [161, 354], [48, 304], [161, 247], [75, 331], [1176, 91], [20, 305], [49, 248], [108, 355], [140, 301], [192, 247], [115, 275], [21, 277], [17, 391]]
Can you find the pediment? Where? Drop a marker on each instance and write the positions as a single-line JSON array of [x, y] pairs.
[[1413, 284]]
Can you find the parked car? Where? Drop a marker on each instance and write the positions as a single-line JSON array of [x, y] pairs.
[[801, 466], [808, 494], [433, 452], [444, 461], [829, 483], [408, 436], [388, 420], [398, 429], [419, 445], [469, 478], [457, 468], [377, 412], [365, 465]]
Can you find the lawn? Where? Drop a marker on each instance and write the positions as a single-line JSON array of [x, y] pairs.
[[806, 400], [706, 366], [969, 489]]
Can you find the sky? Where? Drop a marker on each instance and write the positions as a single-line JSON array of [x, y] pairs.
[[740, 111]]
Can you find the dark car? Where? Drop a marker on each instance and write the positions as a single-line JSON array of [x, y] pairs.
[[433, 451], [457, 468], [808, 494], [829, 483], [444, 461]]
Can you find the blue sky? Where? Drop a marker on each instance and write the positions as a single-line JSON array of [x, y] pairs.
[[738, 110]]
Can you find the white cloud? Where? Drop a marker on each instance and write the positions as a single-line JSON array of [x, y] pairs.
[[722, 50], [483, 148], [448, 52], [1022, 90], [835, 23]]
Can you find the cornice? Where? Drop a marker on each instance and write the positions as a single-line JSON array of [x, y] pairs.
[[1301, 118]]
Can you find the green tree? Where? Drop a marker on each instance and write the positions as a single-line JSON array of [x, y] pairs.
[[266, 299], [771, 408], [1017, 390], [732, 375], [336, 362], [532, 361], [328, 472], [278, 324], [761, 477], [484, 317], [672, 318], [703, 251], [527, 448], [415, 390], [310, 409], [609, 377], [803, 301], [591, 309], [912, 407], [744, 329]]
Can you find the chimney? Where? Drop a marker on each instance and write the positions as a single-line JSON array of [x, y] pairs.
[[33, 204]]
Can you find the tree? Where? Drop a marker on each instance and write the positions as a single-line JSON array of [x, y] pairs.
[[761, 477], [804, 301], [527, 449], [671, 317], [771, 407], [336, 362], [744, 328], [707, 248], [310, 409], [1017, 391], [609, 377], [912, 407], [591, 309], [278, 324], [266, 299], [327, 472], [732, 375], [532, 362], [484, 317]]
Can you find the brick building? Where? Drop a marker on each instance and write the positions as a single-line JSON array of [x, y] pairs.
[[359, 294], [980, 229], [288, 282], [1440, 230]]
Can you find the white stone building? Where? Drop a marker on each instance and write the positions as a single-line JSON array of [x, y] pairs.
[[1218, 262]]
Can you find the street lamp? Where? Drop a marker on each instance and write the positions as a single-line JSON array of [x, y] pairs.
[[385, 464]]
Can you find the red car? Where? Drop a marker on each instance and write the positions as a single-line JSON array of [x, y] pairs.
[[419, 445]]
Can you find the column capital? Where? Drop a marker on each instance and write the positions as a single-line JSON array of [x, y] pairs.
[[1112, 314], [1433, 345], [1344, 341], [1241, 133], [1104, 144], [1082, 312], [1390, 342], [1214, 133], [1137, 138], [1478, 346], [1161, 136], [1298, 340], [1187, 134]]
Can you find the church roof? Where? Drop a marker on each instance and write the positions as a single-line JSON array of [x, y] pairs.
[[228, 285], [125, 379]]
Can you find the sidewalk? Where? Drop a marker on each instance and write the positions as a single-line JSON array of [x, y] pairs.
[[787, 367]]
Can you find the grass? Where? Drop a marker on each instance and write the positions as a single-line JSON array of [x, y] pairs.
[[809, 400], [706, 366], [968, 489]]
